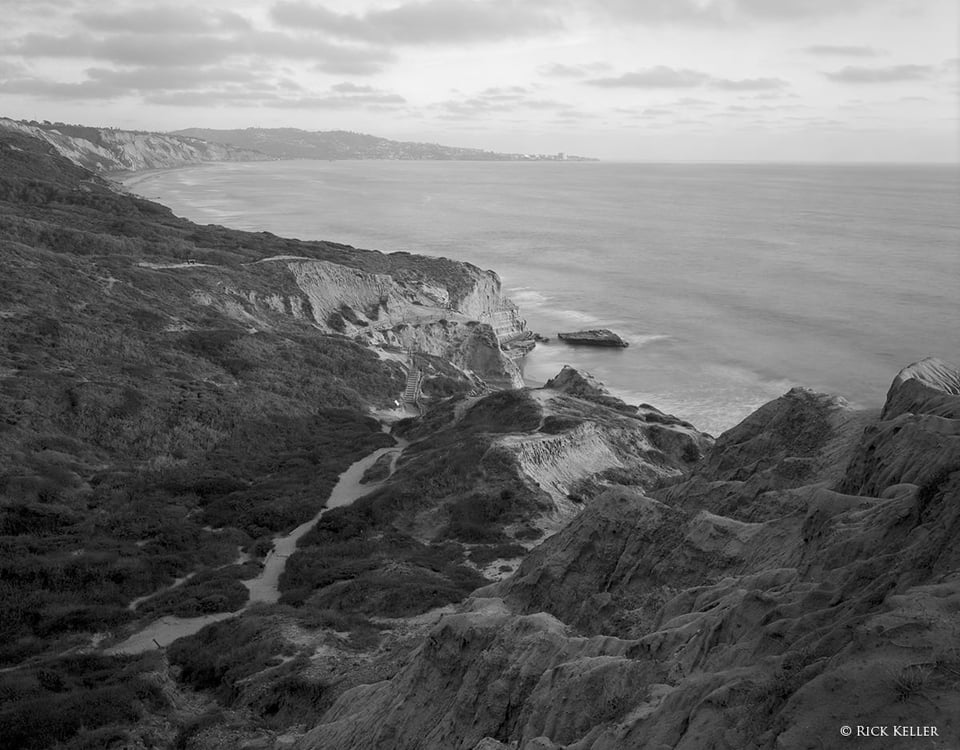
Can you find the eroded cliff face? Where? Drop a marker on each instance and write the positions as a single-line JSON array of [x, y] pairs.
[[110, 150], [590, 440], [411, 308], [511, 467], [475, 676], [806, 577]]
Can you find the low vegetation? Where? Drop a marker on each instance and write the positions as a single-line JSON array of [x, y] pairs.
[[79, 701], [159, 422], [150, 431], [221, 655], [360, 560]]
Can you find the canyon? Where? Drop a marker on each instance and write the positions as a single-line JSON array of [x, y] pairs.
[[535, 569]]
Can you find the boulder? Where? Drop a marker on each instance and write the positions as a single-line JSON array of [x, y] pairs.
[[593, 337]]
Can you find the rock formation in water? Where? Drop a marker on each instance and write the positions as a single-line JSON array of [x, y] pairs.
[[593, 337]]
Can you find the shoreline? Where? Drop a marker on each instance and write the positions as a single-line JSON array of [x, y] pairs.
[[712, 424], [129, 179], [714, 390]]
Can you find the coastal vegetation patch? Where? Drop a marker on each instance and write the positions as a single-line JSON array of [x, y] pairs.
[[401, 549], [78, 701], [158, 419]]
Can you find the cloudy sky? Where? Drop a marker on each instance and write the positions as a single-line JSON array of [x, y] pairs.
[[618, 79]]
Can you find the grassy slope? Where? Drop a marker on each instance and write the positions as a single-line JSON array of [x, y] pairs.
[[143, 435]]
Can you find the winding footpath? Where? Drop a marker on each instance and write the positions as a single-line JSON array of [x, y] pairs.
[[265, 587]]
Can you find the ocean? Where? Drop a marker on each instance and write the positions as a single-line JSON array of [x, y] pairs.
[[732, 282]]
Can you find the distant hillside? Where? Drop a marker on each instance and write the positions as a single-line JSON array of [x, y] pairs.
[[292, 143], [112, 150]]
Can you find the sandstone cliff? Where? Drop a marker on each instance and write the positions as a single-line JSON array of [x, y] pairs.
[[112, 150], [398, 304], [590, 440], [805, 577]]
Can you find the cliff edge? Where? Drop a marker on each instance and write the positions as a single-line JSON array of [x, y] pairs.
[[804, 577], [113, 150]]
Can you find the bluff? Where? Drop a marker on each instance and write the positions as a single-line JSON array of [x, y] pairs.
[[294, 143], [113, 150], [260, 282], [804, 576]]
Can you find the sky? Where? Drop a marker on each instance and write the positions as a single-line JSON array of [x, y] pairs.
[[649, 80]]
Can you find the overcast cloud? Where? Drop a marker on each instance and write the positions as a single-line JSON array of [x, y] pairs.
[[581, 76], [429, 22], [663, 77], [891, 74], [842, 50]]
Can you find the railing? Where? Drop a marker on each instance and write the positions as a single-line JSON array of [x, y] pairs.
[[411, 394]]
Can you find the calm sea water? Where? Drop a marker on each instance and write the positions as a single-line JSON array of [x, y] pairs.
[[732, 282]]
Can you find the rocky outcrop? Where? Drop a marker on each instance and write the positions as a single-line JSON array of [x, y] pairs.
[[798, 437], [527, 460], [805, 576], [590, 440], [917, 440], [413, 311], [930, 386], [476, 676], [111, 150], [410, 305], [574, 382], [593, 337]]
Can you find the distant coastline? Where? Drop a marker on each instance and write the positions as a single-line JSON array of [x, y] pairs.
[[294, 143]]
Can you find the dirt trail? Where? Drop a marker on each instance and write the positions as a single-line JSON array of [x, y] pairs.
[[263, 588]]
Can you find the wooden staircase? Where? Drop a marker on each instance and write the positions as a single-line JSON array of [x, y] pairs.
[[411, 393]]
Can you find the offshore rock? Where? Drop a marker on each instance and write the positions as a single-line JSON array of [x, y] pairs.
[[593, 337]]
